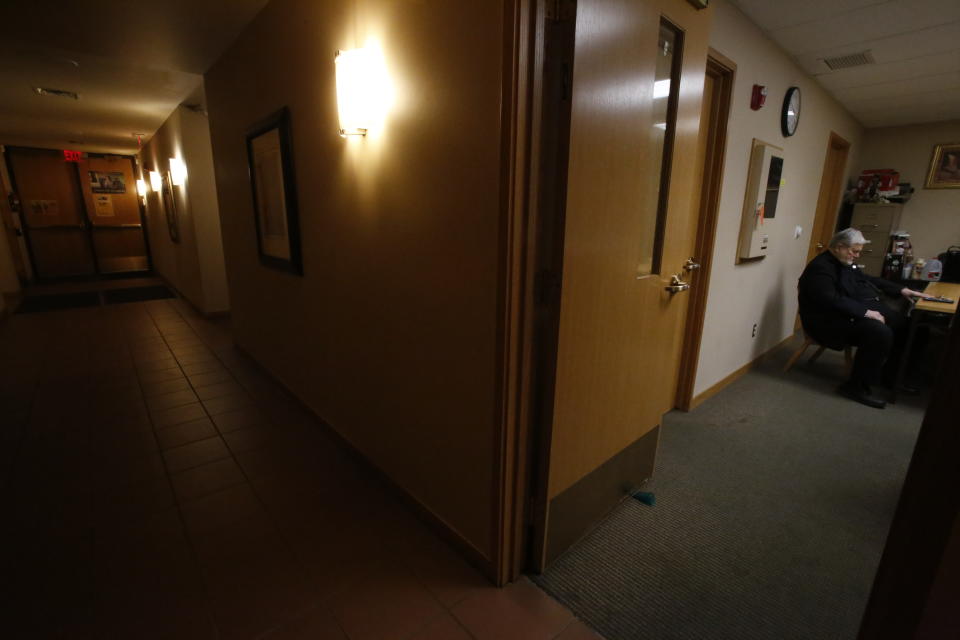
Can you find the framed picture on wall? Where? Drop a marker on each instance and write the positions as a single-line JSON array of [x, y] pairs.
[[270, 165], [944, 170], [170, 208]]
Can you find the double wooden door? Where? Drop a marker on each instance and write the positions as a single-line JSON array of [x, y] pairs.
[[629, 232], [81, 218]]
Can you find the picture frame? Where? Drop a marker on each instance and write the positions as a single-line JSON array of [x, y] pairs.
[[170, 208], [273, 187], [944, 172]]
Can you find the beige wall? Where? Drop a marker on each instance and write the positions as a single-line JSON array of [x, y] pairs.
[[194, 265], [932, 216], [763, 292], [391, 333]]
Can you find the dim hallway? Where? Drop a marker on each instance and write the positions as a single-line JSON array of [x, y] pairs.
[[157, 485]]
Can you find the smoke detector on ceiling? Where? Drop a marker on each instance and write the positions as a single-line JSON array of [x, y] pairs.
[[850, 60], [60, 93]]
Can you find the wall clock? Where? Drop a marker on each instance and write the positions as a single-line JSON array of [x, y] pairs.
[[790, 115]]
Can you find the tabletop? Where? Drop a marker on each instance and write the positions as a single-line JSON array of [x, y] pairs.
[[944, 290]]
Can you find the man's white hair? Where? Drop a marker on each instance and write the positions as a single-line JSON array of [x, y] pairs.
[[847, 238]]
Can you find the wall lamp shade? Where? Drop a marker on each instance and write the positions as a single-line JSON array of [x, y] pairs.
[[178, 172], [362, 90], [141, 187], [156, 183]]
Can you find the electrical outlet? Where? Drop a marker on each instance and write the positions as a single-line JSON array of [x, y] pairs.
[[754, 333]]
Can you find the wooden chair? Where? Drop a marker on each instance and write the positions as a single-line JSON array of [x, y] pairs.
[[807, 341]]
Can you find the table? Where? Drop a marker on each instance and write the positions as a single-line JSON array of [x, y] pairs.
[[920, 310]]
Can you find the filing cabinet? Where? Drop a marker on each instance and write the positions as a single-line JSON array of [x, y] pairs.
[[876, 222]]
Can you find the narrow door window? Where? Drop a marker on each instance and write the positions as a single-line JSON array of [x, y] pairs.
[[664, 115]]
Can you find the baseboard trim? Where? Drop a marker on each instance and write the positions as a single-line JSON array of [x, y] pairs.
[[438, 525], [719, 386]]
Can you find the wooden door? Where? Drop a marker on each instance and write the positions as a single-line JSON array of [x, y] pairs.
[[828, 202], [113, 205], [52, 212], [630, 225]]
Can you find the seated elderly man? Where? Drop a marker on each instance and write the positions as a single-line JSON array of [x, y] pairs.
[[840, 305]]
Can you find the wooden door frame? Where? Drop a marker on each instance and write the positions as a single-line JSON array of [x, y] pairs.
[[523, 64], [723, 71], [828, 200], [831, 189], [532, 236]]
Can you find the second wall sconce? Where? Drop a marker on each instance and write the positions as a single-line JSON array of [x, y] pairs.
[[156, 182], [178, 172], [141, 187]]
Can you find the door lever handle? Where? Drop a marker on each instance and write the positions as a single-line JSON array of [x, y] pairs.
[[691, 264], [677, 284]]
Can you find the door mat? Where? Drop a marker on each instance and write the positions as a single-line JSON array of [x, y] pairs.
[[136, 294], [59, 302]]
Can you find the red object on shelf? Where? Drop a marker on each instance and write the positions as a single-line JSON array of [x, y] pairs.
[[882, 182]]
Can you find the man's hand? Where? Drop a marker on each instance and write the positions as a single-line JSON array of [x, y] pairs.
[[910, 293], [876, 315]]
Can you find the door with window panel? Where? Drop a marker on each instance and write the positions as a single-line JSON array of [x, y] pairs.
[[630, 229]]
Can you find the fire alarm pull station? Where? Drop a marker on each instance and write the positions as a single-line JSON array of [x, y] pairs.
[[758, 97], [760, 202]]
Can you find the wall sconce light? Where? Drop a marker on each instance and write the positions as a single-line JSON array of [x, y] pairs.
[[178, 171], [141, 187], [362, 90], [156, 183]]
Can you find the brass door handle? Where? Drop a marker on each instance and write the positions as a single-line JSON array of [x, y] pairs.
[[677, 284], [819, 245], [691, 264]]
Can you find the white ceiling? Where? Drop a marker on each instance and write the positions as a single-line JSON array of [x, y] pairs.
[[915, 43], [131, 62]]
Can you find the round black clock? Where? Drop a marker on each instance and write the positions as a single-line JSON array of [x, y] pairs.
[[790, 116]]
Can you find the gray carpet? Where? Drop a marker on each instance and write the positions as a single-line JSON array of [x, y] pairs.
[[773, 500]]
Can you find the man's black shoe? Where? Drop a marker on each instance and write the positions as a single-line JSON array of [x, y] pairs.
[[861, 395]]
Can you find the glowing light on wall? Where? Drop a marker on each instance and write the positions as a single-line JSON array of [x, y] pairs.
[[363, 90], [141, 187], [178, 171], [661, 89], [156, 183]]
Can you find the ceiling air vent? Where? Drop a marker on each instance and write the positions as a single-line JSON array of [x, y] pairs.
[[851, 60], [61, 93]]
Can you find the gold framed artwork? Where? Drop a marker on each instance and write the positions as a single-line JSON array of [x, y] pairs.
[[944, 170]]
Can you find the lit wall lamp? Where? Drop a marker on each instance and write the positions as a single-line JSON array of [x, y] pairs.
[[141, 188], [178, 171], [363, 92], [156, 183]]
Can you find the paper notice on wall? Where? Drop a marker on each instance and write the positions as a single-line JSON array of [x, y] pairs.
[[44, 208], [103, 205]]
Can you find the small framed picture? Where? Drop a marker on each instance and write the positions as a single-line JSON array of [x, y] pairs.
[[944, 167], [270, 165], [170, 208]]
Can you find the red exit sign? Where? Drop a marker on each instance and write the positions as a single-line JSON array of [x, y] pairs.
[[72, 156]]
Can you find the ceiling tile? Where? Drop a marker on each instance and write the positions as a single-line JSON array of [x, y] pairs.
[[912, 89], [774, 15], [891, 72], [864, 25]]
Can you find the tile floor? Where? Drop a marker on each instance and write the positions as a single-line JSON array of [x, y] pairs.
[[155, 484]]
